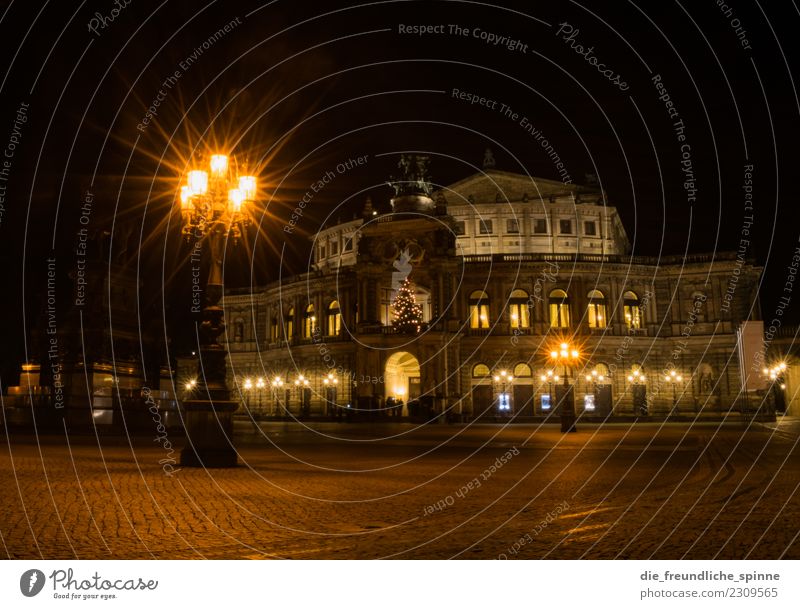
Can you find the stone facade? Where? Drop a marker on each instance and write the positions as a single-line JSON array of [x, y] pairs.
[[505, 266]]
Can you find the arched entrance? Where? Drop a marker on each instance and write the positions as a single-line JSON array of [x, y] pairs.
[[401, 379]]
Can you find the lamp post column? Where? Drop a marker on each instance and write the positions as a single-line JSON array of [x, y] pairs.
[[209, 415], [212, 209]]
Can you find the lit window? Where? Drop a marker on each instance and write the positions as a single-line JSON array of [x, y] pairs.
[[273, 330], [632, 311], [478, 310], [522, 370], [480, 371], [334, 319], [518, 310], [308, 322], [597, 309], [559, 309]]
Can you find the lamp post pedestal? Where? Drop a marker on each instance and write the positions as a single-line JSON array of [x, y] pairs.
[[208, 418], [209, 434], [566, 403]]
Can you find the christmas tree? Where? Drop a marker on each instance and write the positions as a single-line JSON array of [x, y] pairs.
[[407, 313]]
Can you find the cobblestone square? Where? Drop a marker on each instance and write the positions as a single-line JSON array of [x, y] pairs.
[[643, 490]]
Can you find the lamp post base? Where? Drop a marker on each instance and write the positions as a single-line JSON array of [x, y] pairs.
[[566, 398], [209, 434]]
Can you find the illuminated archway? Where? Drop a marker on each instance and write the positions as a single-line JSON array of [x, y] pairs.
[[402, 378]]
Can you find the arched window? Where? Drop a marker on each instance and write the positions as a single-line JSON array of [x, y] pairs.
[[518, 310], [522, 370], [273, 330], [559, 309], [632, 310], [308, 321], [478, 309], [480, 371], [597, 309], [334, 319], [290, 324]]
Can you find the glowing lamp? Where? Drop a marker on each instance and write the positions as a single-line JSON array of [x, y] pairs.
[[186, 198], [219, 165], [235, 198], [247, 184], [198, 182]]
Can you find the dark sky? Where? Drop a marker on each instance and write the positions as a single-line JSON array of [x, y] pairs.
[[299, 87]]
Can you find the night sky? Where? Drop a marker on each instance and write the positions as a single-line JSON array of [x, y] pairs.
[[295, 88]]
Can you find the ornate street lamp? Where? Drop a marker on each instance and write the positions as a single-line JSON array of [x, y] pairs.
[[775, 383], [568, 356], [302, 383], [213, 204], [674, 379], [330, 383], [502, 381], [638, 380], [277, 385], [596, 380]]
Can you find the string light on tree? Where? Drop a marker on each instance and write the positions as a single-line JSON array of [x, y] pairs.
[[407, 313]]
